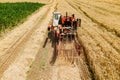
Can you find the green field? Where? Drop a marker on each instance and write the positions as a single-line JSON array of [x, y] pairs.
[[13, 13]]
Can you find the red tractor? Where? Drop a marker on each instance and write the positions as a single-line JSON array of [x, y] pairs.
[[64, 29]]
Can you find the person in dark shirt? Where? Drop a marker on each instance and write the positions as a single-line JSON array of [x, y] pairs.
[[60, 20]]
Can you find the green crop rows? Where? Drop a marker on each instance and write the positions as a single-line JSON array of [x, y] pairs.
[[13, 13]]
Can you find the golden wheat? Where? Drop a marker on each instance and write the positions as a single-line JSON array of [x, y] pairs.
[[97, 34]]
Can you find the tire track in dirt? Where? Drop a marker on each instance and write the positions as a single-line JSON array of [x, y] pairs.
[[65, 67], [13, 1], [41, 68], [13, 51]]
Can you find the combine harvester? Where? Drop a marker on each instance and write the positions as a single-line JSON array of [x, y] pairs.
[[64, 33]]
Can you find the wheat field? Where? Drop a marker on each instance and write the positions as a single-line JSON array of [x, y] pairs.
[[100, 34]]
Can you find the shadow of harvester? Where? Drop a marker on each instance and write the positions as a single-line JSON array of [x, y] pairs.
[[52, 39]]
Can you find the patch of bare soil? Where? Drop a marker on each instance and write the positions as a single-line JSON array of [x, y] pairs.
[[41, 1], [65, 67], [41, 68]]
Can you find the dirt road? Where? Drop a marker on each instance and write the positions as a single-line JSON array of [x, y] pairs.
[[41, 1], [23, 56]]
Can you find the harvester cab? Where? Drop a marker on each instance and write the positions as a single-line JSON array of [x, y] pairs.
[[55, 21], [56, 18]]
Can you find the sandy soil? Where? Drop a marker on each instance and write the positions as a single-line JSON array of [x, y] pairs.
[[22, 56], [41, 1]]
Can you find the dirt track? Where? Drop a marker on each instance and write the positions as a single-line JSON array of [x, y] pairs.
[[41, 1], [22, 56]]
